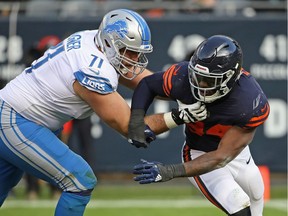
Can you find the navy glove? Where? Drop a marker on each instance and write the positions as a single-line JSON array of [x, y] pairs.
[[139, 134], [151, 172], [149, 137], [148, 172]]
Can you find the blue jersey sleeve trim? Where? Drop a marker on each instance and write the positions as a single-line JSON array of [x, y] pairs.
[[94, 83]]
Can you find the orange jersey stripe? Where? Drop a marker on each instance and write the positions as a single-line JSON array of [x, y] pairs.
[[246, 73], [187, 157], [167, 82], [265, 111], [207, 194], [186, 153], [243, 71], [218, 130], [254, 125], [256, 121], [167, 77]]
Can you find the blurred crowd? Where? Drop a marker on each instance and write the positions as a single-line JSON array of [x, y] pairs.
[[150, 8]]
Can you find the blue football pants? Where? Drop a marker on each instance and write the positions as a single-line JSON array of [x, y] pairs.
[[28, 147]]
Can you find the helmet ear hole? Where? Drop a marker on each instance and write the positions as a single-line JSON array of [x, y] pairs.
[[107, 44]]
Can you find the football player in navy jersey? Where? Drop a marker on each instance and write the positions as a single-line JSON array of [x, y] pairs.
[[215, 155]]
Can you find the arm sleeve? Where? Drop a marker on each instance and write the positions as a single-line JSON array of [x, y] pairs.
[[256, 114], [147, 90], [97, 83], [259, 117], [168, 84]]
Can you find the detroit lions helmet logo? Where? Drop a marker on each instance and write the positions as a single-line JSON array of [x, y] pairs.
[[119, 27]]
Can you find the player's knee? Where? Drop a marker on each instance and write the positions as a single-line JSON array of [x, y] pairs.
[[84, 182], [237, 200], [243, 212], [89, 181]]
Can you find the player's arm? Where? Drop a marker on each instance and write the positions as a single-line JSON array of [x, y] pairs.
[[159, 85], [232, 143], [111, 108], [114, 110], [141, 100]]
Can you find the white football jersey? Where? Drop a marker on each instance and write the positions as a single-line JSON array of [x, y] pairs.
[[43, 93]]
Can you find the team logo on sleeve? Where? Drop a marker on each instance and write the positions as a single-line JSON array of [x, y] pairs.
[[119, 27], [94, 83]]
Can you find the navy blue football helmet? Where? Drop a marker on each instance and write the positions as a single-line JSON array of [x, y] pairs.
[[214, 68]]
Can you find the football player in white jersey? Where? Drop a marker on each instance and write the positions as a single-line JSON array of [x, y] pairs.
[[70, 81]]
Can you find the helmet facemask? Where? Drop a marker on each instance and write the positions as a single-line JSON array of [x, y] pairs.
[[129, 61], [208, 86], [214, 68]]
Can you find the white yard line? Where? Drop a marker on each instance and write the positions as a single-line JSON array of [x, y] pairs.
[[280, 204]]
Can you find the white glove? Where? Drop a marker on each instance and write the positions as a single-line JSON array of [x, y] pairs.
[[192, 112]]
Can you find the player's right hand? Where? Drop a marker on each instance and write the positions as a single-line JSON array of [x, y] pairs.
[[148, 172]]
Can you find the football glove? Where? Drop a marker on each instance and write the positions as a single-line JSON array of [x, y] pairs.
[[151, 172], [187, 113], [139, 134]]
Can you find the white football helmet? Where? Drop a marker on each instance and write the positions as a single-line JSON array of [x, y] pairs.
[[124, 30]]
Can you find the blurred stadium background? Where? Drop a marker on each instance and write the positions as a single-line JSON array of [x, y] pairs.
[[177, 28]]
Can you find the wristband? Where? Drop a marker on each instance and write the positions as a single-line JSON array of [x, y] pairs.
[[169, 172], [178, 170], [169, 121]]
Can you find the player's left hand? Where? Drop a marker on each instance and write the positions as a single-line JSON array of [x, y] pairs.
[[140, 143], [150, 172]]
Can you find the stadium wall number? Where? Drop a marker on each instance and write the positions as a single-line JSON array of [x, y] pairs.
[[11, 49], [276, 124]]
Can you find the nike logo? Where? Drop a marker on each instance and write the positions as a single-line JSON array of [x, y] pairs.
[[248, 161], [256, 102]]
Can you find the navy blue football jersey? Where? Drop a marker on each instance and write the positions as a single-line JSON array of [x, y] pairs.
[[245, 106]]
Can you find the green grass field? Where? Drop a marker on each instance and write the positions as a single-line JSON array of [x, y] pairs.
[[139, 200], [132, 211]]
